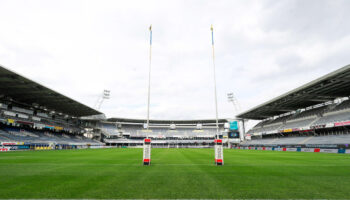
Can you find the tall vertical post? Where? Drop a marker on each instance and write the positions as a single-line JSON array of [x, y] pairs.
[[147, 141], [149, 74], [219, 154], [214, 73]]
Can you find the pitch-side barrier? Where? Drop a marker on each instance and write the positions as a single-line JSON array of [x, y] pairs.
[[297, 149]]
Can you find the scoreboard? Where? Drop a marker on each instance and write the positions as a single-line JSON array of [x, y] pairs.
[[233, 135]]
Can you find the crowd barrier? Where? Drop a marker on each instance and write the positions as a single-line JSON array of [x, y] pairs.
[[5, 147], [297, 149]]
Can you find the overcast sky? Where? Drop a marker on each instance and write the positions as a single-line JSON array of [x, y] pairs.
[[263, 49]]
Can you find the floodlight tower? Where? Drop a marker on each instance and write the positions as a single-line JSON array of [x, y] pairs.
[[231, 98], [105, 95]]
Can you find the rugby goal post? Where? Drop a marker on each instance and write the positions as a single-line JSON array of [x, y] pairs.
[[146, 151], [219, 153]]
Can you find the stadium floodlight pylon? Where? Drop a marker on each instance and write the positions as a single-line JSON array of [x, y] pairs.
[[105, 95], [231, 98], [146, 151], [219, 153]]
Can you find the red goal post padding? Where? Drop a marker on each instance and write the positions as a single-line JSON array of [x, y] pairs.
[[147, 151], [218, 141]]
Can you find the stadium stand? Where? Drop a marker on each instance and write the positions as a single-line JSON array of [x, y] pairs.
[[32, 116], [164, 133], [317, 113], [306, 119]]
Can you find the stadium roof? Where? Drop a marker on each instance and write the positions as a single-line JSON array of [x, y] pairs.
[[165, 121], [26, 91], [326, 88]]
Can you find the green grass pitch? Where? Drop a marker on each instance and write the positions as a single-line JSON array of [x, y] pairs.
[[174, 173]]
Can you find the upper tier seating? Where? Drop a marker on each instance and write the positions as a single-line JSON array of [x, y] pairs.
[[333, 117], [342, 106], [306, 119], [299, 123]]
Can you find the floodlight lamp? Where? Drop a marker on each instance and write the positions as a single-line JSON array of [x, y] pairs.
[[230, 96], [106, 94]]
